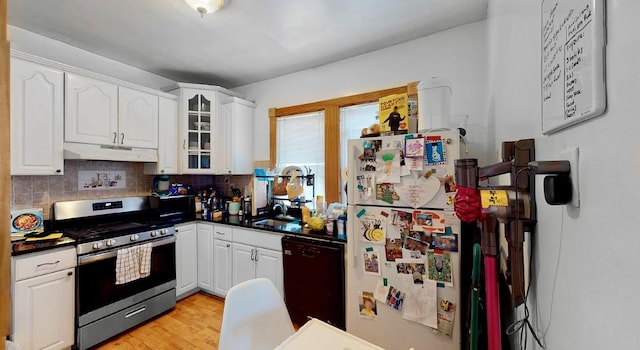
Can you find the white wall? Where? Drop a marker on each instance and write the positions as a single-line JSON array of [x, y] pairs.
[[593, 250], [35, 44], [457, 54]]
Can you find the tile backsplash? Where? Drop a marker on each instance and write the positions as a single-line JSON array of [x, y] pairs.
[[43, 191]]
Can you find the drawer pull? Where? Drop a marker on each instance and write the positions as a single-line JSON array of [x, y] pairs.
[[48, 263], [220, 233], [135, 312]]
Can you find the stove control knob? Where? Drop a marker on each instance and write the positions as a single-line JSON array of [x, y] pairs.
[[154, 233], [111, 242], [163, 231], [97, 245], [134, 237]]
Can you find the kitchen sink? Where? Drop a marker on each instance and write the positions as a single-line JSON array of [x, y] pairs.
[[273, 222]]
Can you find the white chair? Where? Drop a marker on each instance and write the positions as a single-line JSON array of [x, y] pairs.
[[255, 317]]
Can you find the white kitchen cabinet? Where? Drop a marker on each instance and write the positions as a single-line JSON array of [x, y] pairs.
[[137, 118], [244, 267], [91, 111], [222, 266], [206, 251], [101, 113], [44, 300], [186, 259], [269, 265], [235, 148], [37, 119], [168, 136], [198, 123], [216, 128], [257, 254], [223, 259]]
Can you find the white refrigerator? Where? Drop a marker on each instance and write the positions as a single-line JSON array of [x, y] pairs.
[[403, 264]]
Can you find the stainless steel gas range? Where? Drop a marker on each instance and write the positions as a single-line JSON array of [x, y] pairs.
[[102, 228]]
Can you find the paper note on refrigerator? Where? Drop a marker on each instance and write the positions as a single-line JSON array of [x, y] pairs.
[[446, 315], [420, 303]]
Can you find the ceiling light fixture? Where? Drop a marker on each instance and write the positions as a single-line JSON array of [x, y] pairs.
[[205, 7]]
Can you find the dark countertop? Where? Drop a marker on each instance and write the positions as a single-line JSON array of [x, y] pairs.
[[20, 247], [293, 228]]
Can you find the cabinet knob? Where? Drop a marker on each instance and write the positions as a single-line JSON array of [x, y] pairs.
[[58, 171], [228, 245], [177, 230], [69, 273], [115, 137], [122, 140], [162, 171]]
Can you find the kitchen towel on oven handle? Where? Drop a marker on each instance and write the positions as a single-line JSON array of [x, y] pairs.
[[133, 263], [145, 259]]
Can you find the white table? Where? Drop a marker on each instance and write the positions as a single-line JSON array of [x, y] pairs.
[[317, 335]]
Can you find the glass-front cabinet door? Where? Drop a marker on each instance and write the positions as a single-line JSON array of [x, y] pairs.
[[200, 124]]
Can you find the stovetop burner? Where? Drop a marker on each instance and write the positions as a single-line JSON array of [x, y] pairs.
[[104, 231], [103, 224]]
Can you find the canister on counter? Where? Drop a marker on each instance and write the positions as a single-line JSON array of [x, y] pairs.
[[341, 227]]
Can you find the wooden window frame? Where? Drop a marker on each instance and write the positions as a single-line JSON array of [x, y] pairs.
[[331, 109]]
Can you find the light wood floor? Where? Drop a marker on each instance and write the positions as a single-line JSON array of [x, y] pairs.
[[193, 324]]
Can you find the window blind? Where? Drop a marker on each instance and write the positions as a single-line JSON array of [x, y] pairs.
[[300, 142]]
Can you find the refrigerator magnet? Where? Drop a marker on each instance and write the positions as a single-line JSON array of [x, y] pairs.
[[367, 305], [439, 268], [373, 228], [371, 261], [414, 148], [435, 153]]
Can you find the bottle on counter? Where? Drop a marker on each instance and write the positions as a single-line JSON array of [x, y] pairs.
[[321, 205], [341, 227]]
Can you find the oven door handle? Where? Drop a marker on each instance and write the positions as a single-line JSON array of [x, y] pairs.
[[87, 259]]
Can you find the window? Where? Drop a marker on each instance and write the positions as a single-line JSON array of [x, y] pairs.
[[305, 134], [301, 143]]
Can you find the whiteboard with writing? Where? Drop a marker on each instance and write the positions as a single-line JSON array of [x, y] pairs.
[[572, 62]]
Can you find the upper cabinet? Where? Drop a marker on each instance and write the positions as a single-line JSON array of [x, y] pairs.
[[168, 134], [137, 118], [236, 140], [91, 114], [199, 124], [36, 119], [102, 113], [216, 130]]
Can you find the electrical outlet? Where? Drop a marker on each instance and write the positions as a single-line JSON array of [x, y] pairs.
[[573, 156]]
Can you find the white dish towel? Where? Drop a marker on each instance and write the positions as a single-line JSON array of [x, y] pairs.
[[133, 263]]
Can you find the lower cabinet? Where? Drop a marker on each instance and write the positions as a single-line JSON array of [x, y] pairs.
[[215, 257], [205, 257], [44, 300], [222, 266], [243, 263], [186, 259], [252, 262]]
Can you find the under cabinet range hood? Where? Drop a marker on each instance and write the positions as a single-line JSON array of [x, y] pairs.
[[113, 153]]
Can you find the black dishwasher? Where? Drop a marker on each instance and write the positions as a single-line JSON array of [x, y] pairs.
[[314, 283]]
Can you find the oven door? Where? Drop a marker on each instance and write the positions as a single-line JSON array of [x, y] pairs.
[[98, 295]]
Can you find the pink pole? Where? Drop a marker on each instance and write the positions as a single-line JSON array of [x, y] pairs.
[[493, 303]]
